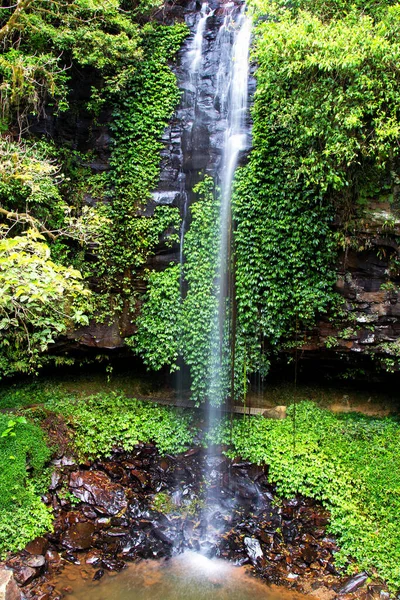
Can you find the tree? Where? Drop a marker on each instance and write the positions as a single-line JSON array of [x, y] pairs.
[[38, 300]]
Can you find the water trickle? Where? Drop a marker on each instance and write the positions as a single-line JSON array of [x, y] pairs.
[[195, 54]]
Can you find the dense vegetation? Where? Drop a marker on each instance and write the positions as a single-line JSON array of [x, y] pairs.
[[23, 516]]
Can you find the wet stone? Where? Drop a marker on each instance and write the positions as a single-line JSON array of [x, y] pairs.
[[354, 583], [25, 575], [96, 488], [98, 575], [38, 546], [79, 536], [35, 561]]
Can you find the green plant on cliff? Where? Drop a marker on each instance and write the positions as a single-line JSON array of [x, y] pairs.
[[139, 118], [158, 337], [41, 39], [325, 127], [23, 455]]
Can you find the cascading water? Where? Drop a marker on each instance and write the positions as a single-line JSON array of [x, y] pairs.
[[232, 98]]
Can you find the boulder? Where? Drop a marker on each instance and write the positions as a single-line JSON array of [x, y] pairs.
[[277, 412], [79, 536], [8, 588]]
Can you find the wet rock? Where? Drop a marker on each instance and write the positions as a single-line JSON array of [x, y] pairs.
[[97, 489], [79, 536], [253, 549], [354, 583], [65, 461], [71, 558], [36, 561], [88, 512], [159, 535], [8, 588], [25, 575], [98, 575], [116, 532], [53, 558], [112, 564], [37, 546], [56, 479], [93, 557]]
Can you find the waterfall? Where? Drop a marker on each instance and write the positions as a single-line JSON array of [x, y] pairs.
[[231, 97], [231, 102]]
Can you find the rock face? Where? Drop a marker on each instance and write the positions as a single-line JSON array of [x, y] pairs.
[[369, 282], [193, 142], [8, 588]]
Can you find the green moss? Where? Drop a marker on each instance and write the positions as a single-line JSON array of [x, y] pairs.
[[23, 455]]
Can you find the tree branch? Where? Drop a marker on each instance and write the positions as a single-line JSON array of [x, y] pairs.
[[27, 218], [22, 5]]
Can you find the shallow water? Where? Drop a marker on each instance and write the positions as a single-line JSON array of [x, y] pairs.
[[189, 576]]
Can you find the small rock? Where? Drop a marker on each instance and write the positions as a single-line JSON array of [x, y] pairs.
[[93, 557], [35, 561], [53, 557], [98, 575], [25, 575], [55, 480], [354, 583], [116, 532], [113, 565]]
